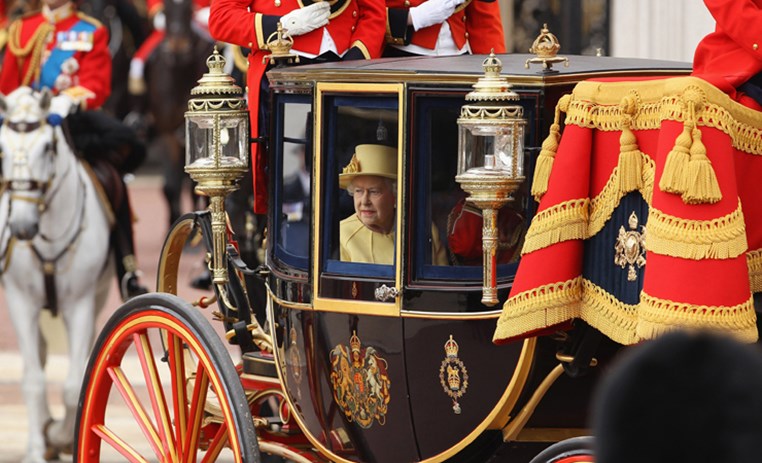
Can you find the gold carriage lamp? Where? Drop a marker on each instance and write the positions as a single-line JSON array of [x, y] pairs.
[[217, 147], [491, 157]]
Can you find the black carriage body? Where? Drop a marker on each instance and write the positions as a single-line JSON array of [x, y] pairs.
[[376, 376]]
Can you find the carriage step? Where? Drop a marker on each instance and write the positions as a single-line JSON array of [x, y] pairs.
[[259, 364]]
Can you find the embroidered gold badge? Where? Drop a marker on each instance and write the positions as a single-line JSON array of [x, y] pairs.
[[630, 248], [453, 375], [360, 382]]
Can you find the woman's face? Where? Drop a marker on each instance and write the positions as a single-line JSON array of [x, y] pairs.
[[374, 202]]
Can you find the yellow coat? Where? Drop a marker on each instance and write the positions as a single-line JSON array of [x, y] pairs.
[[360, 244]]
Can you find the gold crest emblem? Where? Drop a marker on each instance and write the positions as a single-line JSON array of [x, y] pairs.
[[630, 248], [453, 375], [360, 382]]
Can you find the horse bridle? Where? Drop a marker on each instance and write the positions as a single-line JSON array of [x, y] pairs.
[[17, 187]]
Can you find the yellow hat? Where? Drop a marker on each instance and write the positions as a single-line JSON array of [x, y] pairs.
[[378, 160]]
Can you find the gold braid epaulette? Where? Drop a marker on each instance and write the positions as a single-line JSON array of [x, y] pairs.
[[89, 19], [32, 49]]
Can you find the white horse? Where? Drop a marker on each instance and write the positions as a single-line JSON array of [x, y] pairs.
[[54, 254]]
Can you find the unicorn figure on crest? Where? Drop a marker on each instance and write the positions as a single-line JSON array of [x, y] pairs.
[[54, 252]]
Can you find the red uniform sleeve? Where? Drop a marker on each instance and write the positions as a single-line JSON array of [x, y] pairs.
[[95, 70], [741, 20], [231, 21], [484, 27]]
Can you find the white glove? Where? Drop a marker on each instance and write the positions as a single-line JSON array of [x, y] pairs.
[[307, 19], [63, 105], [432, 12], [201, 16], [159, 21]]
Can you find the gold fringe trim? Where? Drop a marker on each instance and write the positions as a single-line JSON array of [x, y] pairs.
[[540, 307], [658, 316], [556, 303], [608, 314], [602, 206], [596, 106], [720, 238], [544, 164], [754, 263], [562, 222]]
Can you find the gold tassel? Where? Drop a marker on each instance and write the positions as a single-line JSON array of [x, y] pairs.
[[545, 162], [701, 181], [630, 168], [544, 165], [673, 179]]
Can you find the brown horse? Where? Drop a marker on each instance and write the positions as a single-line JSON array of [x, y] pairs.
[[171, 72]]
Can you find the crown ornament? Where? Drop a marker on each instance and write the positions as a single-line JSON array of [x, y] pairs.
[[451, 348], [546, 47], [354, 342], [279, 43]]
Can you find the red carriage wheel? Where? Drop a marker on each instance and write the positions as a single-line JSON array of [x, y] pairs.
[[160, 360], [573, 450]]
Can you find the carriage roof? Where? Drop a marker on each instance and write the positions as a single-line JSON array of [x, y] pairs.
[[464, 68]]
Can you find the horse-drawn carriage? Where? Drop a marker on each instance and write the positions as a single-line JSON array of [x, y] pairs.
[[357, 361]]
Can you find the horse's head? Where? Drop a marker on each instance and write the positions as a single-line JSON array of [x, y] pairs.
[[179, 27], [27, 143]]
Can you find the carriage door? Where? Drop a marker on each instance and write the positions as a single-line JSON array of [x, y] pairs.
[[358, 155]]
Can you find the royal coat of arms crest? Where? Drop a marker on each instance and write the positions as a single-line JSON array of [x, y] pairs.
[[360, 382]]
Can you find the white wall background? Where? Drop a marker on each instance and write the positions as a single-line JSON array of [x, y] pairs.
[[658, 29]]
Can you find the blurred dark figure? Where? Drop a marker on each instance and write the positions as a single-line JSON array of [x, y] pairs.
[[685, 397]]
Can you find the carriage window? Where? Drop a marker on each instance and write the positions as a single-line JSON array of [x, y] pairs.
[[360, 184], [449, 241], [293, 190]]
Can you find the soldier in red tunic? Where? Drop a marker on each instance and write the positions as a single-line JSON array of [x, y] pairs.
[[65, 51], [731, 56], [443, 27], [322, 31]]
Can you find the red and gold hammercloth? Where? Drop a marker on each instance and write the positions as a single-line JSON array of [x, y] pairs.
[[650, 214]]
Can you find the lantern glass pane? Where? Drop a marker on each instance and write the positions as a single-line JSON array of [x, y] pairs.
[[474, 143], [465, 150], [198, 140], [519, 148], [234, 138]]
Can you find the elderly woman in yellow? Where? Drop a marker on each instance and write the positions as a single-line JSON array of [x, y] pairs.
[[368, 234]]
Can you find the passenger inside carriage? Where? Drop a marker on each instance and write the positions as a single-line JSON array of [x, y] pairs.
[[368, 235]]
